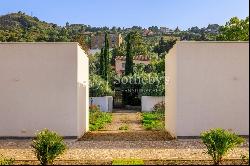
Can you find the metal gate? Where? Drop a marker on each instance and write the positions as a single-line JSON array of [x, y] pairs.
[[118, 99]]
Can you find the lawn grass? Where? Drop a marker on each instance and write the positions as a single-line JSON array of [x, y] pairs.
[[127, 162], [98, 120], [154, 120]]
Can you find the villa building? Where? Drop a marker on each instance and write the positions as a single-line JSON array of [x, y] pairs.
[[147, 32], [166, 30], [120, 62], [97, 41]]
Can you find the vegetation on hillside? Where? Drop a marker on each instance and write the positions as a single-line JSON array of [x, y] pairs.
[[19, 27]]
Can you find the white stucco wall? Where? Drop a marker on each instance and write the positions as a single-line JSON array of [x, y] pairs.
[[208, 87], [105, 103], [82, 91], [148, 102], [43, 85]]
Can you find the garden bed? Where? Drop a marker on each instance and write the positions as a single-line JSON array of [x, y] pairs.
[[98, 119], [153, 120]]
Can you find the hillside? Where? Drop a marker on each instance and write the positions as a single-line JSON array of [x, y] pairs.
[[21, 20]]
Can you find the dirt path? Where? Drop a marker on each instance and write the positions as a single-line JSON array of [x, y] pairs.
[[125, 120], [126, 126]]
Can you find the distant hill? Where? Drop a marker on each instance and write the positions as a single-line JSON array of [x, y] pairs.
[[23, 21], [20, 27]]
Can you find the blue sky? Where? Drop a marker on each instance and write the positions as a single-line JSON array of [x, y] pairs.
[[126, 13]]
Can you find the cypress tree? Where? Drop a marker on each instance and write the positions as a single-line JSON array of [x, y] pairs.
[[101, 69], [129, 57], [106, 57]]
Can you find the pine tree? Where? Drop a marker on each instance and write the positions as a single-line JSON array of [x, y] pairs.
[[129, 57]]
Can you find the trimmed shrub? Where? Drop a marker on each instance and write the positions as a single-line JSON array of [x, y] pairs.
[[219, 142], [47, 146]]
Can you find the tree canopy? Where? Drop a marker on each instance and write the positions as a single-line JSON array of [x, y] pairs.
[[235, 30]]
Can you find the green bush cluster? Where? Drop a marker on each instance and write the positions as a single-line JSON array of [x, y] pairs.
[[6, 161], [149, 84], [158, 65], [98, 119], [47, 146], [154, 120], [98, 87], [219, 142], [154, 85]]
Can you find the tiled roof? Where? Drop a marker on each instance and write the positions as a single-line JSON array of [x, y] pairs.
[[138, 57]]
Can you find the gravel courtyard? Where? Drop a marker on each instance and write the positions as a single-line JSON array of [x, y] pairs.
[[108, 150]]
